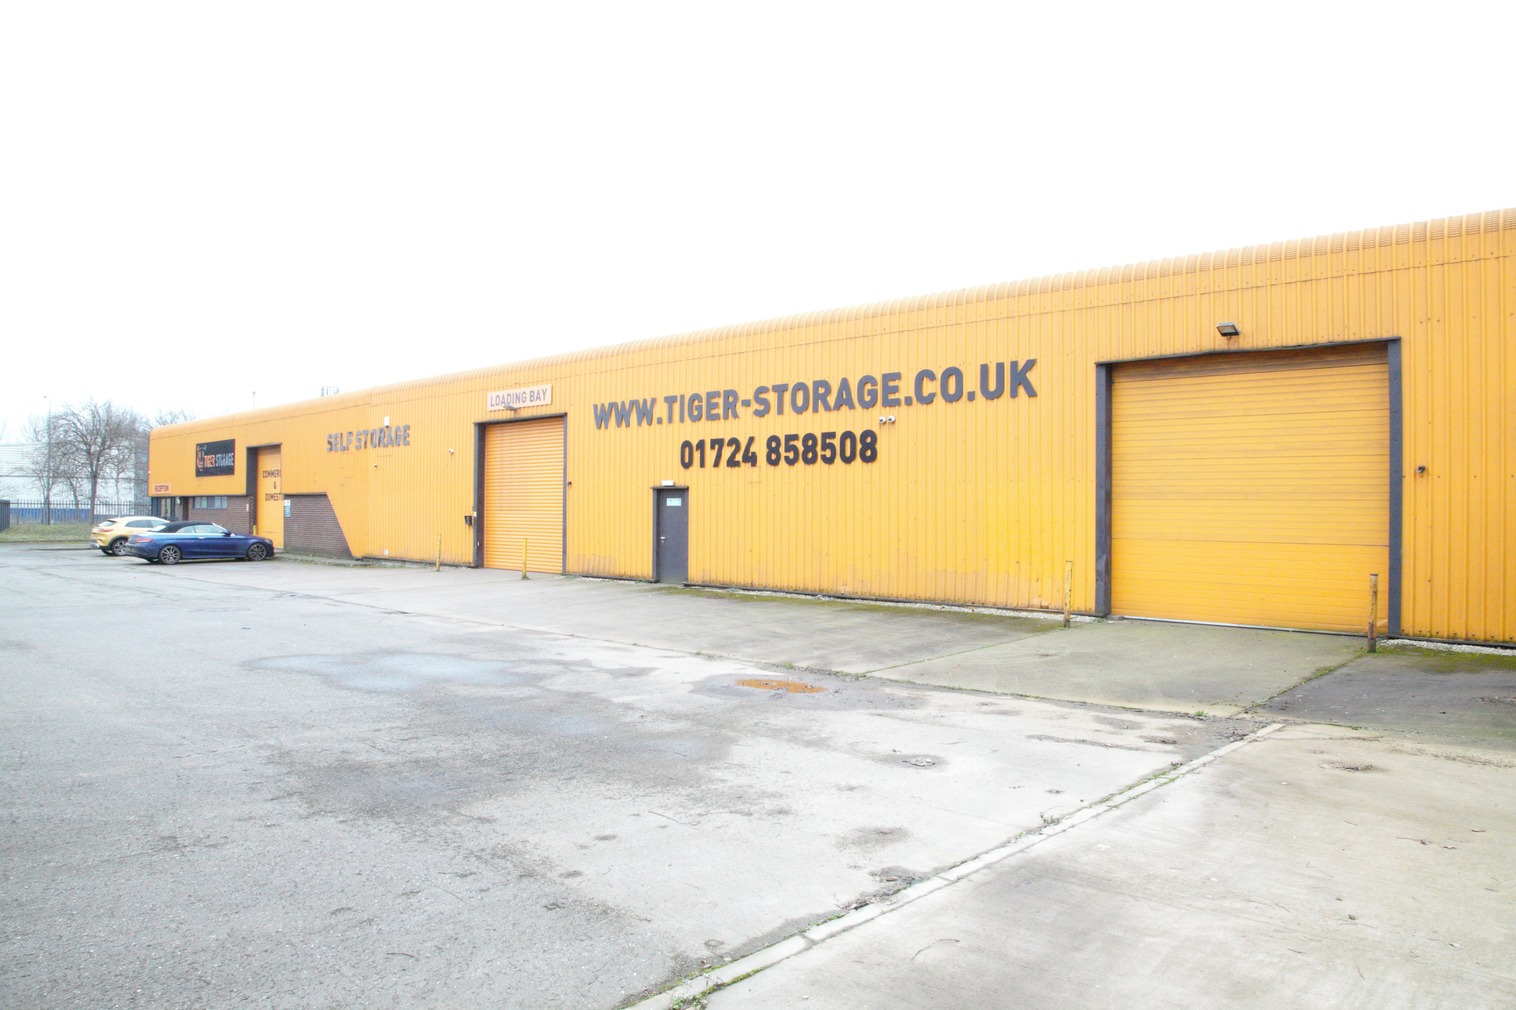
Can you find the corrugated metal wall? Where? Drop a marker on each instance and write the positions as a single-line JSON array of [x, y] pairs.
[[976, 501]]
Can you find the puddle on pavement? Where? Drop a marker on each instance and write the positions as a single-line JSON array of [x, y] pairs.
[[773, 684]]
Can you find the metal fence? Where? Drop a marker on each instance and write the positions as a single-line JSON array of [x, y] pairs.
[[35, 511]]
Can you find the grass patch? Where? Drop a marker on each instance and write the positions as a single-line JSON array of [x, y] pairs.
[[37, 533], [1429, 660]]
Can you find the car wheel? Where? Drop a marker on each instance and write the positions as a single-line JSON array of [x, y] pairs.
[[256, 552], [117, 547], [170, 555]]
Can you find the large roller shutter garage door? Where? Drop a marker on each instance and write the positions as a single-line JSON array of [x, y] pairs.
[[1251, 489], [523, 495]]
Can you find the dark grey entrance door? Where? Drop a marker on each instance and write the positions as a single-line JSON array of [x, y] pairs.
[[671, 525]]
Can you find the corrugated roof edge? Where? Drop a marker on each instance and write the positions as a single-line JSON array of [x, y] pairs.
[[1368, 238], [1469, 224], [1488, 221]]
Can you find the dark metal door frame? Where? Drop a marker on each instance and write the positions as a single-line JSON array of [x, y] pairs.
[[662, 530], [1103, 378]]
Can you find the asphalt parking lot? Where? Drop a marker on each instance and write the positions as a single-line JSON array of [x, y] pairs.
[[298, 784]]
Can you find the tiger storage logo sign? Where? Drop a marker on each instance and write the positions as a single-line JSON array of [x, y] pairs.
[[886, 391], [216, 459]]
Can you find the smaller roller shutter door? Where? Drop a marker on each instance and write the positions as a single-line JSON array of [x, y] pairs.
[[523, 495], [1251, 489], [269, 515]]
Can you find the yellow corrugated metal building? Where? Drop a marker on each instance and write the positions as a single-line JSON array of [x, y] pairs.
[[1354, 418]]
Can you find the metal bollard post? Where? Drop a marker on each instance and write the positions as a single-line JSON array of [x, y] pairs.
[[1068, 591], [523, 557], [1373, 612]]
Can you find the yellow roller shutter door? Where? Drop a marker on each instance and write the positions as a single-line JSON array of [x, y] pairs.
[[1251, 489], [523, 495], [269, 514]]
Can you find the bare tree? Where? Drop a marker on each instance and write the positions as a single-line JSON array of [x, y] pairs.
[[51, 461], [74, 483], [81, 447], [100, 440], [165, 416]]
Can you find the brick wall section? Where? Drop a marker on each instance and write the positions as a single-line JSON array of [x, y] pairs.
[[234, 517], [312, 527]]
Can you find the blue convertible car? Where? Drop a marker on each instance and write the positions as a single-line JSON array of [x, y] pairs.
[[192, 540]]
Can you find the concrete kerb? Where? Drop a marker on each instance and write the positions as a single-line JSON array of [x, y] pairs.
[[331, 561], [1472, 648], [690, 992]]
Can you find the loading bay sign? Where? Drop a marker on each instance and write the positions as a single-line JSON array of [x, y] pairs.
[[526, 396]]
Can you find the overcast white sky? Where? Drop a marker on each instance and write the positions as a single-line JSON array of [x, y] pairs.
[[200, 201]]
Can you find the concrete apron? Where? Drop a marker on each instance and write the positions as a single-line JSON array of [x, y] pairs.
[[622, 814], [907, 755], [707, 984], [1313, 866], [1157, 666]]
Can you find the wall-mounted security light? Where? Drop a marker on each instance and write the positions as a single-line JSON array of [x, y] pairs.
[[1228, 330]]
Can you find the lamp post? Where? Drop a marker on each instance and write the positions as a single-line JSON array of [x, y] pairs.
[[47, 469]]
